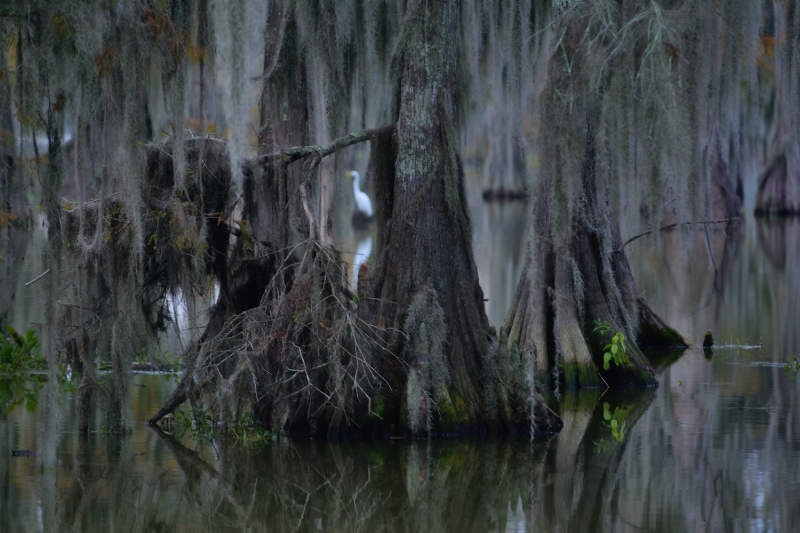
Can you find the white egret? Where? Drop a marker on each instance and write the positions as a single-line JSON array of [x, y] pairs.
[[363, 203]]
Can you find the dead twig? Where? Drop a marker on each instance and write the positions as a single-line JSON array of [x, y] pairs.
[[670, 226]]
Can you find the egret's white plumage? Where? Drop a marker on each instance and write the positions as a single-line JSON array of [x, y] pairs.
[[363, 251], [363, 203]]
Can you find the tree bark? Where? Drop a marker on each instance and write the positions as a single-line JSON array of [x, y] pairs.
[[426, 234], [568, 289], [270, 201]]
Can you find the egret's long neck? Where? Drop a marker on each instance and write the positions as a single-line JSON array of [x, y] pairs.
[[356, 183]]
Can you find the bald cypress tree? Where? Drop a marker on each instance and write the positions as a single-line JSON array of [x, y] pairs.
[[636, 95], [427, 279]]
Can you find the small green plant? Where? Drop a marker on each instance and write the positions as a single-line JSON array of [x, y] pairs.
[[602, 327], [19, 362], [615, 351], [615, 420], [200, 426], [250, 433], [601, 446], [791, 366], [17, 353]]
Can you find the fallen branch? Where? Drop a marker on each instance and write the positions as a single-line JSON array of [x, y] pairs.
[[670, 226]]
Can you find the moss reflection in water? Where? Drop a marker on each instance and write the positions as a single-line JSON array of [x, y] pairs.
[[154, 481], [205, 428]]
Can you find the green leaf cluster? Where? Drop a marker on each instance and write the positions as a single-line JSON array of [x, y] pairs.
[[19, 359], [791, 366], [615, 351], [602, 327], [204, 428], [615, 420]]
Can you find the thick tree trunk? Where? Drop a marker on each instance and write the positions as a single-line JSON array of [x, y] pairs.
[[429, 241], [566, 290], [726, 201], [7, 173], [426, 234]]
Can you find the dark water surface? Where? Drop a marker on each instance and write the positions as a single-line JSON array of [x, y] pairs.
[[716, 447]]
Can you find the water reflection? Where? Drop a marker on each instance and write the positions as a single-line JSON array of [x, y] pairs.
[[713, 448], [697, 456], [499, 238], [303, 486], [362, 255]]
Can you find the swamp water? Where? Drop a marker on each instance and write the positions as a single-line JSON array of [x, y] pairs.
[[715, 447]]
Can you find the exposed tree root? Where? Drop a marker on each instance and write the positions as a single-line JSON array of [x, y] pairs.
[[300, 359], [578, 368]]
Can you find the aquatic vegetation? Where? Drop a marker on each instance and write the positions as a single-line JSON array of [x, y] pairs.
[[615, 420], [19, 360], [615, 351], [792, 366], [204, 427]]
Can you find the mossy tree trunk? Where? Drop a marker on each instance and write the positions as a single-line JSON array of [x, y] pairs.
[[778, 190], [7, 172], [571, 283], [425, 241], [576, 291]]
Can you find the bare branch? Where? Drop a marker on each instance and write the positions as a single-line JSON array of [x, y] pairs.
[[290, 155], [37, 278], [670, 226]]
